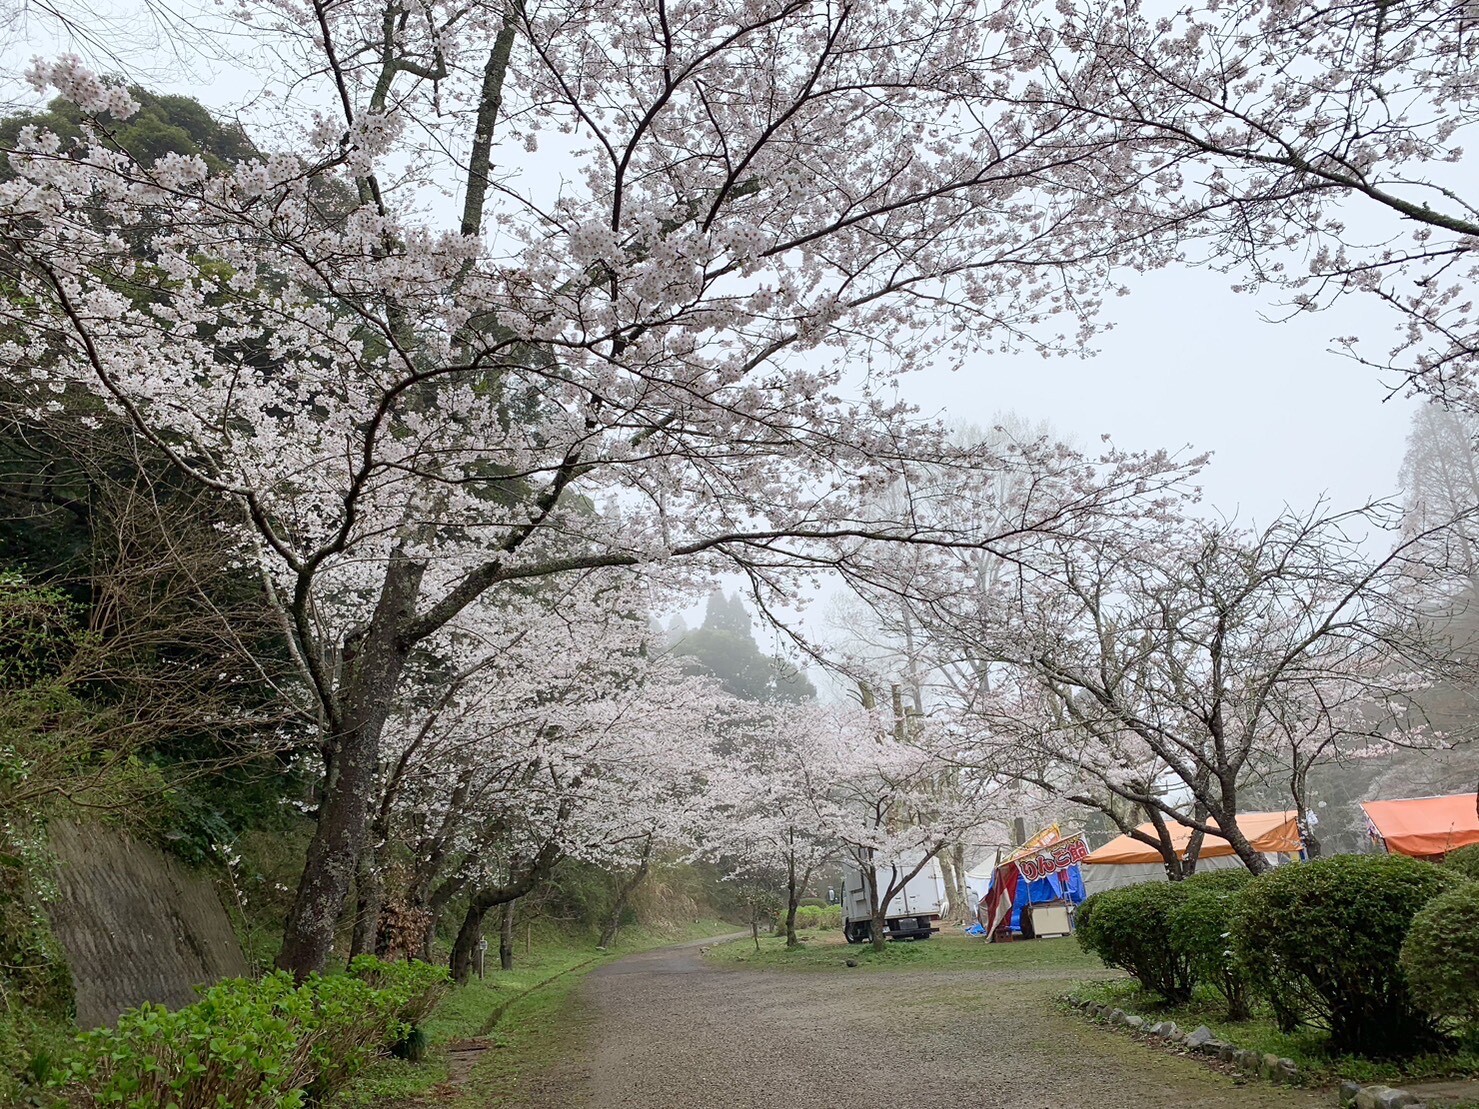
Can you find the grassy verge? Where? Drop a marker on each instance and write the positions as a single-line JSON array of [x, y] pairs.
[[826, 950], [1306, 1047], [516, 1012]]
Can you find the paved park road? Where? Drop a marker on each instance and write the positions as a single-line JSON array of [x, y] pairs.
[[670, 1030]]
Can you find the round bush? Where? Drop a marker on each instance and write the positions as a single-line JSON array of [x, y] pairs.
[[1441, 956], [1200, 932], [1130, 928], [1229, 880], [1465, 860], [1321, 941]]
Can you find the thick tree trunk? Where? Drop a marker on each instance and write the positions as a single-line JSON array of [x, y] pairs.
[[624, 893], [467, 941], [1169, 858], [947, 873], [1245, 851], [520, 883], [506, 937], [1198, 837], [793, 900], [877, 909], [952, 870], [374, 664], [1299, 790]]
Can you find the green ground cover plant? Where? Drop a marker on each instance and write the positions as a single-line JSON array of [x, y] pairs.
[[815, 917], [268, 1043]]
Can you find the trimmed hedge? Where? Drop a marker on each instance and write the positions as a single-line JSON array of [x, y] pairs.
[[1130, 928], [1465, 860], [1441, 956], [263, 1044], [1322, 941], [1201, 929]]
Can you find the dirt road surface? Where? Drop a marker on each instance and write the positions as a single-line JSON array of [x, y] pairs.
[[668, 1030]]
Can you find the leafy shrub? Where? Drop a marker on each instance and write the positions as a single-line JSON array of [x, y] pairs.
[[1465, 860], [1322, 939], [1441, 956], [414, 988], [1226, 880], [819, 916], [1201, 933], [1130, 928], [266, 1044]]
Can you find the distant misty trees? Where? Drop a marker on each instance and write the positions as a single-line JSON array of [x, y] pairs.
[[724, 647]]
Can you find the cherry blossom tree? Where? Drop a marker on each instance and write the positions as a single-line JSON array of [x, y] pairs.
[[1317, 148], [887, 786], [1207, 659], [761, 816], [641, 345], [553, 733]]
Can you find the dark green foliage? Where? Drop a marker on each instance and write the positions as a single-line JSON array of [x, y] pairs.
[[1130, 928], [1201, 931], [162, 125], [1228, 880], [412, 1048], [724, 648], [1465, 860], [1321, 941], [268, 1043], [1441, 957]]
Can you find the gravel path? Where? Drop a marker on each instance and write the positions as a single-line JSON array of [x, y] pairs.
[[666, 1030]]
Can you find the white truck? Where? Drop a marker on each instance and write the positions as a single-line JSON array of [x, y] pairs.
[[913, 913]]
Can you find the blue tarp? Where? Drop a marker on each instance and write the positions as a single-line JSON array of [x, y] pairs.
[[1066, 885]]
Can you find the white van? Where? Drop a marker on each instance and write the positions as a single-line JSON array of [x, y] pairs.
[[913, 914]]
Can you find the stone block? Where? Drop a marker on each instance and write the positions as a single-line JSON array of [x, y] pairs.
[[1348, 1092], [1134, 1023], [1384, 1097], [1288, 1072], [1227, 1052], [1201, 1035]]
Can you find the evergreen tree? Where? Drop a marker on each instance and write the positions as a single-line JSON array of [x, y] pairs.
[[724, 647]]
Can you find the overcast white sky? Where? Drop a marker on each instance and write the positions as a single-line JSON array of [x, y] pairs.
[[1189, 361]]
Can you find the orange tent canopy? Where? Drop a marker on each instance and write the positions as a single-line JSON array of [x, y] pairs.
[[1424, 827], [1268, 832]]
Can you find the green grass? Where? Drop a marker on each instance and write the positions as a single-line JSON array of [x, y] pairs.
[[518, 1012], [1307, 1047], [827, 951]]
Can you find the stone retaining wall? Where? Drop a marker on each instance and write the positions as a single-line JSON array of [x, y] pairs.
[[136, 924]]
